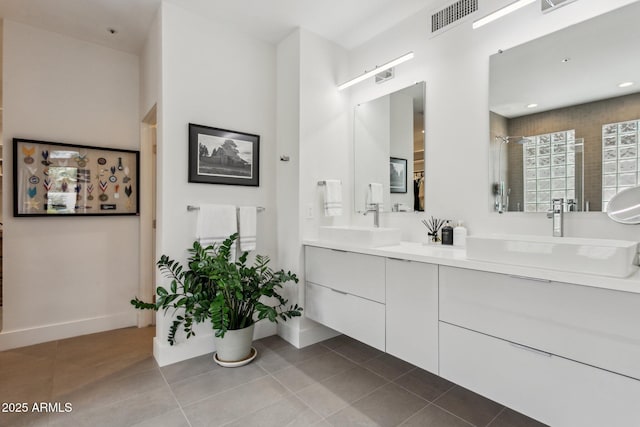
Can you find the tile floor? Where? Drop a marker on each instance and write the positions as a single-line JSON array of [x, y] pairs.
[[111, 379]]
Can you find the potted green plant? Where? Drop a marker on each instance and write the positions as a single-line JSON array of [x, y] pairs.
[[229, 294]]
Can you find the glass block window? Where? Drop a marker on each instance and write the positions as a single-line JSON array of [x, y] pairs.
[[549, 171], [619, 158]]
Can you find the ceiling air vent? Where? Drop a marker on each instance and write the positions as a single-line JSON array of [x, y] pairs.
[[443, 18], [549, 5]]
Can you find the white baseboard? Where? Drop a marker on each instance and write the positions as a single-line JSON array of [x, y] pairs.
[[29, 336], [310, 333], [166, 354]]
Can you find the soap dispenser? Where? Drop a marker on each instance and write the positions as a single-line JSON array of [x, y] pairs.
[[447, 234], [459, 235]]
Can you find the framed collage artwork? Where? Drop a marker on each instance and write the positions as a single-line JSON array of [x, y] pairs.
[[56, 179]]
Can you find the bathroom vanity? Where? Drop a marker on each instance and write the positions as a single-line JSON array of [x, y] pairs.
[[563, 348]]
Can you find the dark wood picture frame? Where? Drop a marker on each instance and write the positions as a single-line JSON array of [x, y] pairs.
[[397, 175], [221, 156], [54, 179]]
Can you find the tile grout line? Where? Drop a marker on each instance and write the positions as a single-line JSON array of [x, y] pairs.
[[175, 398], [390, 380], [414, 414], [504, 408], [290, 363], [416, 394], [296, 396], [452, 413], [230, 388], [433, 402]]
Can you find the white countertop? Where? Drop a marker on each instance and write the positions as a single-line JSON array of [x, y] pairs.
[[457, 257]]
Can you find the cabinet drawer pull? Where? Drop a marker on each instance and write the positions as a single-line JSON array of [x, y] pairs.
[[339, 292], [399, 259], [535, 279], [339, 250], [532, 350]]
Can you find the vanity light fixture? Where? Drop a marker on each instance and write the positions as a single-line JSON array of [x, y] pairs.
[[501, 12], [376, 70], [625, 84], [532, 105]]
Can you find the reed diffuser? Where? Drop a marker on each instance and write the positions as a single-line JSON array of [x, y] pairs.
[[433, 227]]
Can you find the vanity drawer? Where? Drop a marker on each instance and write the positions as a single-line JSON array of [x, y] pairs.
[[356, 317], [412, 312], [556, 391], [356, 274], [595, 326]]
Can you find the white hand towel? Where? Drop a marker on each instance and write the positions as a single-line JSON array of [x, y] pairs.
[[376, 194], [215, 224], [248, 219], [332, 197]]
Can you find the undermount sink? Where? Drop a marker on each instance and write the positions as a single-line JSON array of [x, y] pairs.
[[616, 258], [370, 237]]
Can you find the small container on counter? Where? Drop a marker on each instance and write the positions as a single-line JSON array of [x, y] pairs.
[[447, 234], [460, 235]]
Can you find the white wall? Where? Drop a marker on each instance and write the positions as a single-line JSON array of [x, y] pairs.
[[213, 75], [150, 105], [151, 67], [289, 210], [313, 130], [326, 151], [326, 148], [455, 66], [67, 276]]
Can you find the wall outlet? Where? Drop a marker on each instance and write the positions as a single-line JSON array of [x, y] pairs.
[[309, 211]]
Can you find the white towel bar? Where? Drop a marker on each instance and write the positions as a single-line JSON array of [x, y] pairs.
[[191, 208]]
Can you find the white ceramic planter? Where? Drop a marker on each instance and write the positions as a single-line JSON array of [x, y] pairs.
[[235, 346]]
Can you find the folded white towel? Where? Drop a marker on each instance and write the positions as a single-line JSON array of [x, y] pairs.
[[376, 194], [247, 220], [215, 224], [332, 197]]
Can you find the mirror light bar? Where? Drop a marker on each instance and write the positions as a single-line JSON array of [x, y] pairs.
[[376, 70], [501, 12]]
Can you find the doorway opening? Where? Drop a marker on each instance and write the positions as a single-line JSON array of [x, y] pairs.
[[148, 149]]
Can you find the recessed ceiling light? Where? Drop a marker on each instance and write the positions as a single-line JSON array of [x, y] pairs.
[[532, 105], [625, 84], [565, 60], [112, 31]]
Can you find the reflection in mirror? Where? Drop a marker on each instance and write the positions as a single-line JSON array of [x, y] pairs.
[[389, 151], [624, 207], [566, 94]]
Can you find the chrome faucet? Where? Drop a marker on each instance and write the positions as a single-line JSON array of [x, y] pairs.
[[557, 214], [376, 213]]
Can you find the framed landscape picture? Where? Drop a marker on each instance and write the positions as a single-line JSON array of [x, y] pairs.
[[398, 175], [55, 179], [220, 156]]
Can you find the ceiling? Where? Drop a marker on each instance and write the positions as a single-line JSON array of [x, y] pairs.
[[349, 23]]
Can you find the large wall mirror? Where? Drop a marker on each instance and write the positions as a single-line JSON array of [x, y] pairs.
[[389, 151], [565, 116]]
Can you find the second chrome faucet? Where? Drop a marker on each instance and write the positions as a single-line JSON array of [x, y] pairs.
[[375, 208], [557, 214]]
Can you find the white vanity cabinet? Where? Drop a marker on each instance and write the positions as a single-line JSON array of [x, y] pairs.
[[564, 354], [556, 391], [595, 326], [346, 292], [412, 312]]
